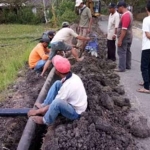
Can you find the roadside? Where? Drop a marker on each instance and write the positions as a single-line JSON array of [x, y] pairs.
[[130, 79]]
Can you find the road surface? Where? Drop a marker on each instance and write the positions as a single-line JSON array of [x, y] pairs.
[[131, 78]]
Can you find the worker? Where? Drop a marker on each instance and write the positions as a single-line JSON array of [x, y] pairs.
[[113, 23], [49, 35], [39, 55], [85, 22], [62, 42], [66, 96]]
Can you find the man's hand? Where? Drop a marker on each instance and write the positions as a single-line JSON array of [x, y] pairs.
[[119, 43], [114, 37], [88, 30], [88, 38]]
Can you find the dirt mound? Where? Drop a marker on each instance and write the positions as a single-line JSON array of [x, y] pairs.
[[22, 94], [104, 125]]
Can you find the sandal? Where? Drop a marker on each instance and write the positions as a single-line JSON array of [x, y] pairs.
[[143, 91]]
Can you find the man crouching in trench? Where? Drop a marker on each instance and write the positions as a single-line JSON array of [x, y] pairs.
[[66, 96]]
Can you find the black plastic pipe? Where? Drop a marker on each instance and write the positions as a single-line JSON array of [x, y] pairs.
[[30, 127], [12, 112]]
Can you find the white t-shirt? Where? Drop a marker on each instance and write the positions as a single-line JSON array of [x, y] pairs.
[[65, 35], [113, 22], [74, 93], [146, 28]]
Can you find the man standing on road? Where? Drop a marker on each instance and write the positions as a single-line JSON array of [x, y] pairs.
[[145, 57], [85, 22], [124, 37], [61, 42], [66, 97], [113, 23]]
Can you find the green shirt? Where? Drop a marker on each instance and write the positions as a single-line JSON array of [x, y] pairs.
[[85, 17]]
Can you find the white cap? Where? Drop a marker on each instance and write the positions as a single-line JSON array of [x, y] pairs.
[[78, 2]]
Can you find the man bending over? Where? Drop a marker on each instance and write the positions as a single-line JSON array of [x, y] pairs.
[[62, 42]]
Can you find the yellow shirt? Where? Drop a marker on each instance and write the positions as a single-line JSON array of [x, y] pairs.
[[38, 53]]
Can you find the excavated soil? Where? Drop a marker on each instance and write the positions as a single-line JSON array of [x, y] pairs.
[[22, 94], [104, 126]]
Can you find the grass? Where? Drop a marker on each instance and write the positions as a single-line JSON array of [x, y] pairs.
[[15, 46]]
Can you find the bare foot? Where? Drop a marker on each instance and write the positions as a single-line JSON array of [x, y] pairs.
[[143, 90], [38, 105], [80, 59], [32, 112], [37, 119]]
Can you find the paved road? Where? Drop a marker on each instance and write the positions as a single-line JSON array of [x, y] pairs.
[[130, 79]]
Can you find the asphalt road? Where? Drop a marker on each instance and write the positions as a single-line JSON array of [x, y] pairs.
[[131, 78]]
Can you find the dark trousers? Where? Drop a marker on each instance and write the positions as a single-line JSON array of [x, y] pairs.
[[111, 50], [145, 68]]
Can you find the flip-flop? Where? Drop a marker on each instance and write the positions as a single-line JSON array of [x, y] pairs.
[[143, 91]]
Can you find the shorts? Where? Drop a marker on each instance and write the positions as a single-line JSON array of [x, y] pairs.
[[58, 46]]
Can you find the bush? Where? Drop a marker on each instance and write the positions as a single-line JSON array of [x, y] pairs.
[[21, 16], [65, 11]]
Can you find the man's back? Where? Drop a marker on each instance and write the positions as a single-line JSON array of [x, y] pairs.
[[74, 93], [65, 35], [37, 54]]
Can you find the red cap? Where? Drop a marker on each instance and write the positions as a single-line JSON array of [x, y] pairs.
[[61, 64]]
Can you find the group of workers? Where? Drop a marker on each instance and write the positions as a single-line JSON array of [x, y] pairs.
[[68, 96], [120, 33]]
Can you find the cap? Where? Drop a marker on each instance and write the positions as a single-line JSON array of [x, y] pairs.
[[78, 2], [61, 64], [65, 24], [122, 3], [46, 40], [51, 33], [111, 5]]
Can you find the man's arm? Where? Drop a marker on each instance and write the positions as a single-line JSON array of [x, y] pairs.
[[147, 35], [123, 33], [47, 64], [90, 25], [83, 38]]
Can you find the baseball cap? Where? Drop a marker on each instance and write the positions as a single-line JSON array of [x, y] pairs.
[[46, 40], [61, 64], [111, 5], [65, 24], [122, 3], [51, 33], [78, 2]]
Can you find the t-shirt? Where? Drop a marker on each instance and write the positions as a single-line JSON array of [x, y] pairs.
[[113, 22], [65, 35], [146, 28], [126, 23], [85, 17], [73, 92], [38, 53]]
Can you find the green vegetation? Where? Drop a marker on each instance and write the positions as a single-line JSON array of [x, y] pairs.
[[64, 11], [15, 46]]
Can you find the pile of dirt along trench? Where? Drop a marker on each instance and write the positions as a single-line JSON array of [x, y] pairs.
[[107, 123]]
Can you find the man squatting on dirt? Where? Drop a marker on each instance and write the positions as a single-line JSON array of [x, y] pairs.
[[66, 97], [62, 42], [39, 55]]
